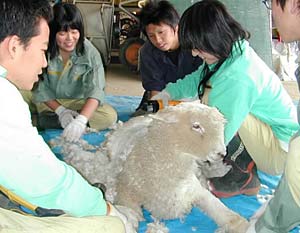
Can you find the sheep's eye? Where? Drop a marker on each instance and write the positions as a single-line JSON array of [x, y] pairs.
[[198, 128], [196, 125]]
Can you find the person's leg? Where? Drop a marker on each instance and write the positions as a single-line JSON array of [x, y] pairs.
[[255, 140], [104, 117], [11, 222], [263, 146], [283, 211]]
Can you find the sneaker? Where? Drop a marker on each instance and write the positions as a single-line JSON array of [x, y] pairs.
[[242, 178], [48, 120]]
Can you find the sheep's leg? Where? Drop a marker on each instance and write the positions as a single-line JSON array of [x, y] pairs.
[[228, 220]]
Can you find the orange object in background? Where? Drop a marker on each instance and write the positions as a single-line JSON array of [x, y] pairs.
[[170, 102]]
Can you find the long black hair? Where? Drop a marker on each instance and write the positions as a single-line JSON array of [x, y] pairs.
[[66, 16], [207, 26]]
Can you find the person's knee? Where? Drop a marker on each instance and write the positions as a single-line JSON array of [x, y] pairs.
[[103, 118]]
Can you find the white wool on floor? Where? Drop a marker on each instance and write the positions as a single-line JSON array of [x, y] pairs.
[[156, 227]]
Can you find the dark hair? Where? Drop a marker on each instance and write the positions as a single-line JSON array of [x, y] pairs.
[[207, 26], [66, 16], [283, 2], [156, 12], [22, 17]]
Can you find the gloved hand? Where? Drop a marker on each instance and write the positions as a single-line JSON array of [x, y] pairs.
[[130, 223], [75, 129], [164, 96], [65, 116]]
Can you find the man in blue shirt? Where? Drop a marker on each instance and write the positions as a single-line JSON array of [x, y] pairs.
[[161, 59]]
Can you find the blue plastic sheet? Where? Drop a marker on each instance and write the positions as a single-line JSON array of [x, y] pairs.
[[196, 221]]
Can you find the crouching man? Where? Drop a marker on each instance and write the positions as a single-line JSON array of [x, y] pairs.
[[29, 171], [282, 213]]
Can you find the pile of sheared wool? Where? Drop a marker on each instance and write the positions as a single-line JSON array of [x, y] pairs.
[[91, 162]]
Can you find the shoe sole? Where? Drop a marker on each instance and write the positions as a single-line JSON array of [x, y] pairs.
[[249, 192]]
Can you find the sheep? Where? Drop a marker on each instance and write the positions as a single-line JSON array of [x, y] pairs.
[[170, 155], [162, 162]]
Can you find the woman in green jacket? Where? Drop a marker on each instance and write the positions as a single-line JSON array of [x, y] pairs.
[[73, 83], [261, 117]]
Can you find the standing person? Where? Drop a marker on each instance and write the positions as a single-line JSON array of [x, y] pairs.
[[161, 58], [282, 213], [28, 168], [260, 114], [73, 84]]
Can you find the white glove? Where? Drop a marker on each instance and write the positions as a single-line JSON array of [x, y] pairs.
[[130, 226], [164, 96], [75, 129], [65, 116]]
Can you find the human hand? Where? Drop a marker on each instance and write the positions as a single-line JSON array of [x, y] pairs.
[[75, 129], [65, 116], [126, 215], [163, 96]]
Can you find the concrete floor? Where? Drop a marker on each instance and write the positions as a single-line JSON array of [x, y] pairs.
[[121, 81]]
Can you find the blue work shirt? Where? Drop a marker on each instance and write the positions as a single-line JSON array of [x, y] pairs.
[[157, 68]]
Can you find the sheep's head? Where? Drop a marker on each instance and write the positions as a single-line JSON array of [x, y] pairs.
[[193, 128]]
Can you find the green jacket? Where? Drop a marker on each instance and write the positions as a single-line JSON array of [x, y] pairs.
[[244, 84], [81, 78]]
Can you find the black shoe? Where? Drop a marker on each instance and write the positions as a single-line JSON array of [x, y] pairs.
[[48, 120], [242, 178]]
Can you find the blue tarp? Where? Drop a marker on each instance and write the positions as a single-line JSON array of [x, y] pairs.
[[196, 221]]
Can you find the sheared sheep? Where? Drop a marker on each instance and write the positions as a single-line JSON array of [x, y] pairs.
[[162, 162], [170, 155]]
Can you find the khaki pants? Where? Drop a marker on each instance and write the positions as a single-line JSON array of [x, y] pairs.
[[104, 116], [262, 145], [260, 142], [269, 157], [292, 169], [11, 222]]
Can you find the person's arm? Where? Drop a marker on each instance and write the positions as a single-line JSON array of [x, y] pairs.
[[89, 107], [93, 82], [151, 71], [32, 171], [53, 104], [233, 95], [186, 87], [153, 93]]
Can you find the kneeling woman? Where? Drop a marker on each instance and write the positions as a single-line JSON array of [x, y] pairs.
[[73, 83], [261, 117]]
